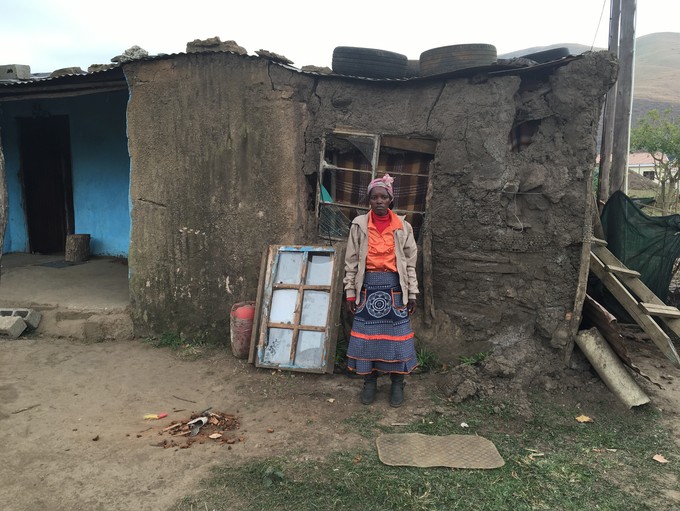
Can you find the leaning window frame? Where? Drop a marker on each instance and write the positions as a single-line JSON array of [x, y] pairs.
[[267, 286]]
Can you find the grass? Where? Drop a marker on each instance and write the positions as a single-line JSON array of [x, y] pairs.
[[427, 360], [553, 462], [185, 348], [475, 359]]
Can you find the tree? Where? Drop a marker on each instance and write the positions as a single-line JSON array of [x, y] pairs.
[[659, 135]]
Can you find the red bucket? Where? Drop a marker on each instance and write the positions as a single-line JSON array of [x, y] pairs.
[[242, 315]]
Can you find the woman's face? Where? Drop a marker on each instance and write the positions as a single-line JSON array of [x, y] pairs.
[[379, 200]]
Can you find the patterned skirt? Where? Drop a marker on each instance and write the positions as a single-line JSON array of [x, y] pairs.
[[381, 338]]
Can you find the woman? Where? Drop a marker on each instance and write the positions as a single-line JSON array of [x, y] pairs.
[[381, 288]]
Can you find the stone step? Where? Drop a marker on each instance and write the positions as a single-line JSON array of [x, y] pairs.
[[87, 325]]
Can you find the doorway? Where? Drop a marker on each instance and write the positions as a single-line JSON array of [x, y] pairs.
[[45, 155]]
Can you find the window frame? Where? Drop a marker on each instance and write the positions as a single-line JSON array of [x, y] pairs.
[[266, 288], [428, 146]]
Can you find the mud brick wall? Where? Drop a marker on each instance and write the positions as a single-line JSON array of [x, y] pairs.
[[224, 149]]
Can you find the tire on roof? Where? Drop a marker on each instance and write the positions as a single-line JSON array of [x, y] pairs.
[[368, 62], [548, 55], [458, 56]]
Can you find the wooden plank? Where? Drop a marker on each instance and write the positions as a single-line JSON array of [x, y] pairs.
[[574, 319], [630, 303], [622, 271], [335, 308], [417, 145], [654, 309], [265, 302], [258, 307], [636, 286], [295, 327], [598, 241], [428, 285]]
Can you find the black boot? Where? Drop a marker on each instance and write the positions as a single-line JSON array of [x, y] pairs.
[[370, 387], [397, 390]]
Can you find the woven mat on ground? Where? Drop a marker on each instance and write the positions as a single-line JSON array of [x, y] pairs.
[[455, 451]]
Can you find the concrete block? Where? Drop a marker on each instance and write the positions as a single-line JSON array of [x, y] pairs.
[[12, 326], [15, 72], [30, 316]]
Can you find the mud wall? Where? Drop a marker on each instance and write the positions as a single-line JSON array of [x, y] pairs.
[[216, 176], [222, 147]]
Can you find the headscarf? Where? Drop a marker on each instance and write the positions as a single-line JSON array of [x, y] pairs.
[[384, 181]]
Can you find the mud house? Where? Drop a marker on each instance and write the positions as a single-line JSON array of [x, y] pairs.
[[191, 164]]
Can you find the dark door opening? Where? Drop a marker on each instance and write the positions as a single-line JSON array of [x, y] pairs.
[[45, 154]]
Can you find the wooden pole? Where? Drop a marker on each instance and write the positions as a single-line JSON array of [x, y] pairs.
[[609, 111], [624, 99]]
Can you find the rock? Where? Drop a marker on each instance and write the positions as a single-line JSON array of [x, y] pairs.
[[317, 69], [15, 72], [132, 53], [274, 57], [215, 44], [94, 68], [67, 71]]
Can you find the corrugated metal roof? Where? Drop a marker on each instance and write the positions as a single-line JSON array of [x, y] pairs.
[[96, 79]]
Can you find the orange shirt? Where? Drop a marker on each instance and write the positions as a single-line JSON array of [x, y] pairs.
[[381, 255]]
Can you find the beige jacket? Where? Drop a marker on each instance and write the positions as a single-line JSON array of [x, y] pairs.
[[357, 249]]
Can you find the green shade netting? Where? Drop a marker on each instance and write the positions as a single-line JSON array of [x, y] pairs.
[[647, 244]]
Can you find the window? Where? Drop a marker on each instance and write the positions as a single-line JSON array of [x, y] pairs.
[[299, 309], [351, 160], [649, 174]]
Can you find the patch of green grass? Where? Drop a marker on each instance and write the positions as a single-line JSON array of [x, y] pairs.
[[185, 348], [475, 359], [552, 462], [364, 423], [427, 360]]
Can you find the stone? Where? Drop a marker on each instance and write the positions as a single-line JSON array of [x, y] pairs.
[[15, 72], [94, 68], [323, 70], [12, 326], [215, 44], [30, 316], [132, 53], [66, 71], [274, 57]]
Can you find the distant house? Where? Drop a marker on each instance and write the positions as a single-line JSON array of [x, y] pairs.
[[642, 164]]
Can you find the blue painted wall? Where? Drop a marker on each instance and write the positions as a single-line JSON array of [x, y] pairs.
[[100, 165]]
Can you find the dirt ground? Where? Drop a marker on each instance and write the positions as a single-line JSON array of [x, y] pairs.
[[74, 435]]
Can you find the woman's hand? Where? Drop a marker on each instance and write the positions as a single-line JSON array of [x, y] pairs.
[[411, 306], [351, 306]]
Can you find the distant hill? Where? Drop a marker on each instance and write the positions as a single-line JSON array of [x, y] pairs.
[[574, 48], [656, 82]]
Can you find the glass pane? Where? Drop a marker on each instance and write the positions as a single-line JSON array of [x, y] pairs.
[[345, 186], [289, 268], [335, 221], [277, 350], [309, 351], [283, 306], [315, 308], [319, 270], [349, 151]]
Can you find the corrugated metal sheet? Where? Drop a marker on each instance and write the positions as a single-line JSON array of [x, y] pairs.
[[116, 73]]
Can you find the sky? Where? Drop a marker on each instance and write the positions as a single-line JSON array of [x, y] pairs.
[[53, 34]]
